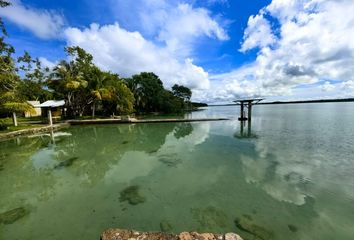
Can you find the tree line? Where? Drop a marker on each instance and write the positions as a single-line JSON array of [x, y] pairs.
[[85, 88]]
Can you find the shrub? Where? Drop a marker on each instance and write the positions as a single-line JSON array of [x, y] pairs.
[[3, 125]]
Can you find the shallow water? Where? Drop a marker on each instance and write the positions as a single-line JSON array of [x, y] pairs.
[[290, 177]]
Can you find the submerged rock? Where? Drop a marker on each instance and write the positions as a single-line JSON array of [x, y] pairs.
[[13, 215], [170, 160], [292, 228], [66, 163], [248, 217], [132, 195], [258, 232], [210, 217], [153, 151], [165, 226]]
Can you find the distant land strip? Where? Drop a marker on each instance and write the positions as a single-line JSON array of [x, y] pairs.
[[295, 102]]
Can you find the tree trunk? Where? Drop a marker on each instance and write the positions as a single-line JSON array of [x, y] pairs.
[[14, 119]]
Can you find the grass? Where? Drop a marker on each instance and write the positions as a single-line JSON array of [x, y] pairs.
[[23, 123], [21, 127]]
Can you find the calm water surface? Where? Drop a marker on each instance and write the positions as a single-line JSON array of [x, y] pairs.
[[290, 177]]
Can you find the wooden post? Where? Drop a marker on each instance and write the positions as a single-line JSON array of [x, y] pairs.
[[14, 119], [242, 111], [50, 117], [52, 136], [249, 111]]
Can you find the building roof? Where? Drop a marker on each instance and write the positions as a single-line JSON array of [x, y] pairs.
[[51, 103]]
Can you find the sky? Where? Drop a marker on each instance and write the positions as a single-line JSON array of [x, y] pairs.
[[222, 49]]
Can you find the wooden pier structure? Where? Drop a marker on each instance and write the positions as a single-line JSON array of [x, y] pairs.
[[247, 103]]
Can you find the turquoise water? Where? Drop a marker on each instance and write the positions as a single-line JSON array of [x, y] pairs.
[[290, 177]]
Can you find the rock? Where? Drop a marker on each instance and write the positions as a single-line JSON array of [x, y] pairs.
[[185, 236], [232, 236], [165, 226], [210, 217], [66, 163], [248, 217], [132, 195], [292, 228], [170, 160], [122, 234], [152, 151], [13, 215], [208, 236], [253, 229]]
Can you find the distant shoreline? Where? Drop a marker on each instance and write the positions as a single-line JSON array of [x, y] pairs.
[[294, 102]]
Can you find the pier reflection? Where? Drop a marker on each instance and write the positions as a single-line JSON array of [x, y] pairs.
[[245, 130]]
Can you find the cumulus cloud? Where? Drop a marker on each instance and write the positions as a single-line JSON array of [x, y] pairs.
[[327, 87], [258, 33], [183, 25], [176, 25], [299, 43], [163, 42], [128, 53], [43, 23], [47, 63]]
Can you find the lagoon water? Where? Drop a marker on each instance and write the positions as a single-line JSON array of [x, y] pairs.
[[290, 177]]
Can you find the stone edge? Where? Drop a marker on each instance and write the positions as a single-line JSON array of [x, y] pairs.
[[124, 234], [30, 131]]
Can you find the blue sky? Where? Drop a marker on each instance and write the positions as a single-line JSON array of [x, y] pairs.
[[278, 49]]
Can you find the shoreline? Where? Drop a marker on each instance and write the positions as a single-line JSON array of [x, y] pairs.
[[31, 131], [68, 123]]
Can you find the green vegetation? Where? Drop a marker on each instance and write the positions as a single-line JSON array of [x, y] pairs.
[[86, 89]]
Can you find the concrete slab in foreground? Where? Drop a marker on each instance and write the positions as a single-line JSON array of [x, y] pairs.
[[123, 234]]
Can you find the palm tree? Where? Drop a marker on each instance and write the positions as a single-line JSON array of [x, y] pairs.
[[68, 83], [99, 87], [138, 90]]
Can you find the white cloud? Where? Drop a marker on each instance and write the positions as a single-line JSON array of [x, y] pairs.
[[212, 2], [183, 25], [313, 42], [47, 63], [174, 24], [43, 23], [167, 34], [127, 53], [258, 33], [327, 87]]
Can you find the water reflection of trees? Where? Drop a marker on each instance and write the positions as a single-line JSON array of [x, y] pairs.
[[27, 165], [182, 130], [100, 148]]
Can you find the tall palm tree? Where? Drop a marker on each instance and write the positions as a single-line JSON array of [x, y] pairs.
[[99, 87], [68, 82]]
